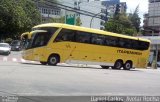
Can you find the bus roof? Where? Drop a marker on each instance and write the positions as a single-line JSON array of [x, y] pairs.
[[91, 30]]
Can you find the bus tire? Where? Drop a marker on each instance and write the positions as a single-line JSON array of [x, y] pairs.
[[127, 65], [53, 60], [118, 64], [105, 67], [43, 63]]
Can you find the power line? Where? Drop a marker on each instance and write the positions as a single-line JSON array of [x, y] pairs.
[[70, 10], [75, 10], [52, 2], [96, 6], [87, 13]]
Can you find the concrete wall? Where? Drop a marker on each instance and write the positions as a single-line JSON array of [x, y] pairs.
[[94, 7]]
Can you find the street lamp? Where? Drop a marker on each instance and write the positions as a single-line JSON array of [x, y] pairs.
[[93, 17]]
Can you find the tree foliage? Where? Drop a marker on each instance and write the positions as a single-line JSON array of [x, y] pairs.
[[120, 24], [78, 21], [135, 19], [17, 16], [124, 24]]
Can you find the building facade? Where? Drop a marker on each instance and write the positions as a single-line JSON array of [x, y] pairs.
[[152, 19], [96, 20], [111, 6], [47, 12], [151, 25], [77, 8]]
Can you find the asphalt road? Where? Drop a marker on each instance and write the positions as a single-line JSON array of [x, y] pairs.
[[18, 78]]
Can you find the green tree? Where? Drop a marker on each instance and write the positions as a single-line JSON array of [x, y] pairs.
[[17, 16], [78, 21], [135, 19], [120, 24], [33, 15]]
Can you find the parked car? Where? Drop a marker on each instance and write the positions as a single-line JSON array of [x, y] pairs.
[[5, 48], [16, 45], [158, 64]]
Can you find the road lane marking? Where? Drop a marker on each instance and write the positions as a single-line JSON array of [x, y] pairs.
[[5, 59]]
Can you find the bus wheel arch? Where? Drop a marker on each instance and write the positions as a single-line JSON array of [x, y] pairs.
[[128, 65], [53, 59], [118, 64]]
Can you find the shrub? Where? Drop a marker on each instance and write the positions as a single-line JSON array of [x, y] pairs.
[[8, 40]]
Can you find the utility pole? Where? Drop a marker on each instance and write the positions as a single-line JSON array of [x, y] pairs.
[[92, 18], [156, 45]]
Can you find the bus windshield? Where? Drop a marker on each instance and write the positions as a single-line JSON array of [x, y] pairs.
[[40, 37]]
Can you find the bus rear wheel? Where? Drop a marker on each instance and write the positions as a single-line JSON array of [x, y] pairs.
[[43, 63], [118, 64], [127, 65], [105, 67], [53, 60]]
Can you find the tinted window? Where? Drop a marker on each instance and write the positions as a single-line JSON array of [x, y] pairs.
[[143, 45], [111, 41], [41, 39], [50, 30], [135, 44], [65, 35], [83, 37], [125, 43], [98, 39]]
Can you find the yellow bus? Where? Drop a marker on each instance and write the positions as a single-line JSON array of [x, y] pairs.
[[54, 43]]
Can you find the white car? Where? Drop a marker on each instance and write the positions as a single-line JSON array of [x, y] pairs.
[[5, 48]]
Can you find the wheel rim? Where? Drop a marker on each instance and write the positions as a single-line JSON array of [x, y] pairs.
[[118, 65], [128, 65], [53, 60]]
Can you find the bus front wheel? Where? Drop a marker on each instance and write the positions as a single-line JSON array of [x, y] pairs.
[[127, 65], [53, 60], [118, 64]]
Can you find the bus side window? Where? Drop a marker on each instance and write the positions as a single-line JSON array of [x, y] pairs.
[[107, 40], [83, 37], [127, 43], [65, 35], [121, 42], [58, 38], [112, 41], [135, 44], [96, 39]]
